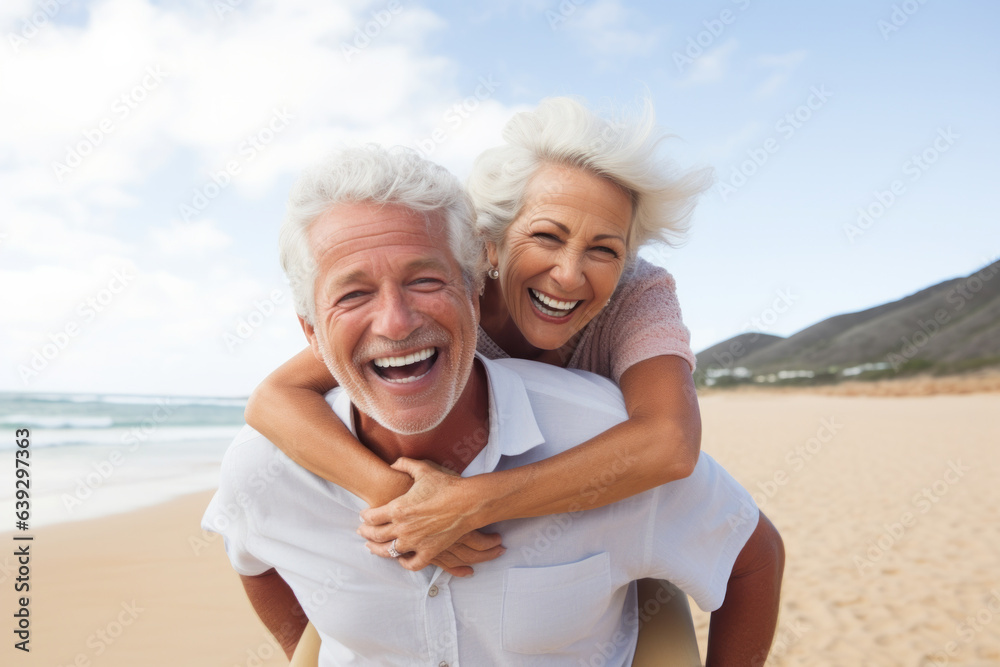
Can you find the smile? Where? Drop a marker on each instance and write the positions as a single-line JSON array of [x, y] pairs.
[[551, 307], [406, 368]]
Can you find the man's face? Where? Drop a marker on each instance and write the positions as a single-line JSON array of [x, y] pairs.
[[395, 323]]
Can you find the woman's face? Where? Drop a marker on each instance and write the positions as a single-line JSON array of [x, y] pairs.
[[562, 256]]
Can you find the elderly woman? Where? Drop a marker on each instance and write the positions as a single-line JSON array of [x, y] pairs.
[[563, 206]]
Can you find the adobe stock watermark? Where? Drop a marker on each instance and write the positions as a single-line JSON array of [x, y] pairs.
[[958, 297], [557, 525], [797, 458], [32, 25], [246, 326], [728, 357], [106, 467], [923, 502], [786, 127], [913, 169], [558, 16], [899, 17], [87, 310], [968, 630], [105, 636], [605, 651], [785, 637], [713, 29], [223, 8], [365, 34], [455, 115], [121, 109], [248, 149], [256, 486]]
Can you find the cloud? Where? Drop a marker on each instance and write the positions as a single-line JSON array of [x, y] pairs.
[[611, 30], [125, 111], [189, 238], [712, 66]]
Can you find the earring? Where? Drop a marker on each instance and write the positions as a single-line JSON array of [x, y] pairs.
[[493, 273]]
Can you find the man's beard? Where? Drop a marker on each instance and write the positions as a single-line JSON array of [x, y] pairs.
[[460, 355]]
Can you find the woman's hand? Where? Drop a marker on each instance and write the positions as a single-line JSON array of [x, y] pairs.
[[431, 523], [456, 560]]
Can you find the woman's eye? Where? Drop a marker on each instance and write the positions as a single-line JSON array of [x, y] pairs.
[[427, 282], [547, 237], [609, 251]]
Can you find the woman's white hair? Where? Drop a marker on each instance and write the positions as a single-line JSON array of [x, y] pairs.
[[371, 173], [563, 131]]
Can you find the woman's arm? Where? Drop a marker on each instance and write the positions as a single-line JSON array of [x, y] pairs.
[[288, 408], [659, 443]]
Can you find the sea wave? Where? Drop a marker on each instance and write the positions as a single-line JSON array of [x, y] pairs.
[[124, 437], [56, 421]]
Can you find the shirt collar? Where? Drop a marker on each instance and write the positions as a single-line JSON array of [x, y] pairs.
[[513, 429]]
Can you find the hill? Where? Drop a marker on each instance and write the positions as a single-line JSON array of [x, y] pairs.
[[949, 327]]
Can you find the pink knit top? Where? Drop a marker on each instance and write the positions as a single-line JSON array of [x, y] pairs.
[[642, 321]]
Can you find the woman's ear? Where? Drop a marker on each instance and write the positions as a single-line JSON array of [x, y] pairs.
[[491, 254]]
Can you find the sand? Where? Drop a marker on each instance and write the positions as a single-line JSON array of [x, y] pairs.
[[890, 513], [877, 573]]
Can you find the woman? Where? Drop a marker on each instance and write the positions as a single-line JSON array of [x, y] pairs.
[[564, 206]]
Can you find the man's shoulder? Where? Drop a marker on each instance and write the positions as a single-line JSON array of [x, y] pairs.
[[577, 389], [248, 453]]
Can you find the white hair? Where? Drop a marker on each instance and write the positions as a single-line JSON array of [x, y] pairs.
[[563, 131], [371, 173]]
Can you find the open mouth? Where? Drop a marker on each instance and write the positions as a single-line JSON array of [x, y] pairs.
[[551, 307], [406, 368]]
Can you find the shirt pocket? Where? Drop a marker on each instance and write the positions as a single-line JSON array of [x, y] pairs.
[[546, 609]]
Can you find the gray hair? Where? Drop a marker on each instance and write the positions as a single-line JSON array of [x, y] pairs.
[[624, 150], [371, 173]]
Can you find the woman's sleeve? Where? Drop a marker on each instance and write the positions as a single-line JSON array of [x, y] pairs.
[[643, 321]]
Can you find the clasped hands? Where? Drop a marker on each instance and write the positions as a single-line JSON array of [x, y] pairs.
[[434, 523]]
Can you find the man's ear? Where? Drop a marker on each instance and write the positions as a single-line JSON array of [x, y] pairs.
[[310, 333]]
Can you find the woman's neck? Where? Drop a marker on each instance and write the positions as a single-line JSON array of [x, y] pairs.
[[496, 321]]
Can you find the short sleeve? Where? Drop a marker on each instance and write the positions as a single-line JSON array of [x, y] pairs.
[[700, 525], [642, 321], [227, 513]]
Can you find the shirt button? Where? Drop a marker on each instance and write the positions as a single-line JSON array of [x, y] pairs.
[[433, 593]]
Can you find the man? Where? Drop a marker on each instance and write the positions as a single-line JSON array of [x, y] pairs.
[[384, 272]]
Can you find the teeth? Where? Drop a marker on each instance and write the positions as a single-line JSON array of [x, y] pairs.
[[413, 378], [406, 360], [554, 303]]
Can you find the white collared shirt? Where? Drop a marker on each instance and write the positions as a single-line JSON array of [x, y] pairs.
[[562, 594]]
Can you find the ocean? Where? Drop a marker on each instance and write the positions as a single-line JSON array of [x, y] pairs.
[[94, 455]]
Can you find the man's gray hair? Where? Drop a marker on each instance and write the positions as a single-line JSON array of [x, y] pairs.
[[371, 173], [563, 131]]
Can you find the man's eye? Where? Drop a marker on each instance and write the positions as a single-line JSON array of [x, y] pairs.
[[351, 295]]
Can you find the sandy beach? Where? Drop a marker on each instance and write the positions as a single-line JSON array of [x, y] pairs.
[[888, 507]]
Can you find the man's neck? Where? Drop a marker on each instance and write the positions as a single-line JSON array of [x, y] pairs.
[[453, 444]]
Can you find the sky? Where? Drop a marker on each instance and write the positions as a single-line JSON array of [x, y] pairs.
[[147, 149]]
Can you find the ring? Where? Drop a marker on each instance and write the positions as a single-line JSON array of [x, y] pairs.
[[392, 550]]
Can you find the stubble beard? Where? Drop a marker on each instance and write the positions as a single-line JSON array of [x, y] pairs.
[[461, 355]]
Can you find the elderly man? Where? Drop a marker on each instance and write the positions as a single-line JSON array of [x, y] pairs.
[[384, 273]]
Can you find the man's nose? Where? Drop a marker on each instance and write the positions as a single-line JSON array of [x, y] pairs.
[[395, 318]]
